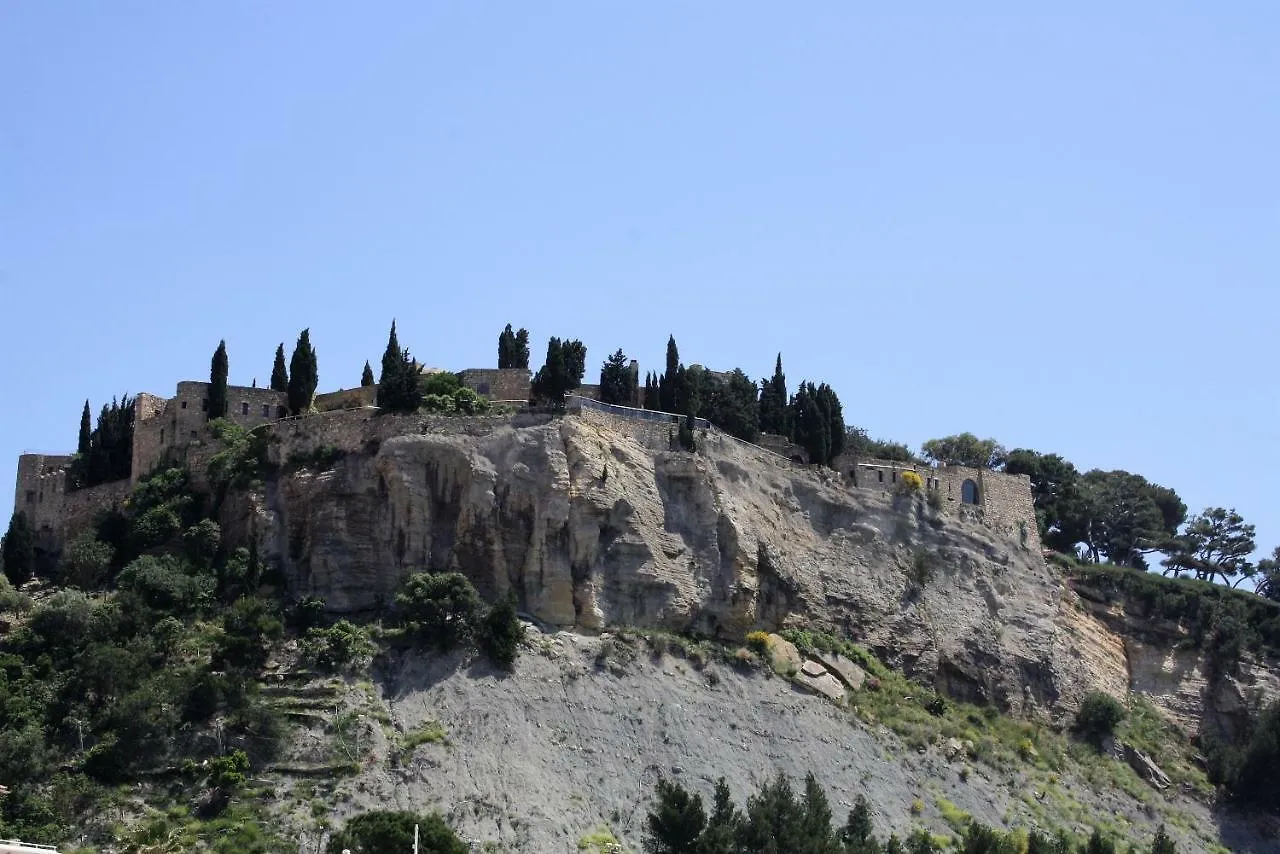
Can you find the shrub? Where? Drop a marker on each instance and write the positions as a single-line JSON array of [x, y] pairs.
[[933, 498], [441, 403], [163, 583], [1098, 717], [501, 633], [342, 646], [86, 562], [467, 402], [439, 609], [922, 569], [441, 383], [377, 832], [910, 482], [758, 642]]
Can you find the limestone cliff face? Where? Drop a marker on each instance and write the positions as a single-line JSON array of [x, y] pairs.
[[591, 528]]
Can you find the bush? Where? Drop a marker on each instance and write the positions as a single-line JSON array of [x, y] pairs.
[[501, 633], [439, 609], [86, 562], [441, 384], [165, 584], [467, 402], [1098, 717], [758, 642], [910, 482], [342, 646], [379, 832]]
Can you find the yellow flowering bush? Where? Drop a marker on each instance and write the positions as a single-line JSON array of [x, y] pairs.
[[911, 481]]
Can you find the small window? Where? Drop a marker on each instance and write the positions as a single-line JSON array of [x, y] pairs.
[[204, 405], [879, 475], [40, 500], [482, 388], [244, 409], [266, 410], [281, 412], [895, 477], [184, 404], [31, 496], [161, 435], [193, 434]]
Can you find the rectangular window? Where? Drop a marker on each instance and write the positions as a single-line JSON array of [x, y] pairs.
[[161, 435], [193, 434], [244, 409], [204, 405], [184, 404], [895, 477], [281, 412], [880, 476], [266, 410], [482, 388], [31, 496]]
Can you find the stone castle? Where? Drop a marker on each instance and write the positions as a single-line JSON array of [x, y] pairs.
[[175, 429]]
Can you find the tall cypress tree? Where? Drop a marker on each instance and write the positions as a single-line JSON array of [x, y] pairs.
[[18, 551], [668, 384], [773, 403], [303, 374], [366, 378], [398, 387], [279, 373], [506, 347], [520, 351], [86, 430], [218, 382]]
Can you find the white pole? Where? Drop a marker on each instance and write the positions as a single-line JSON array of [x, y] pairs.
[[415, 839]]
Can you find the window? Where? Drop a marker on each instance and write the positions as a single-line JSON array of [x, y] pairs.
[[482, 388], [895, 477], [41, 499], [184, 404], [266, 410], [193, 434], [281, 412], [244, 409], [31, 496], [879, 475], [161, 435], [204, 405], [969, 492]]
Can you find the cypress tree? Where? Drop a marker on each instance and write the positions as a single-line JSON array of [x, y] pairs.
[[18, 551], [398, 387], [668, 383], [506, 348], [279, 374], [86, 430], [218, 382], [366, 378], [303, 374], [829, 403], [773, 403], [520, 352]]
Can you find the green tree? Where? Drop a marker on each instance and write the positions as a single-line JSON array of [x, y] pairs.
[[965, 449], [723, 823], [366, 378], [676, 821], [858, 443], [399, 386], [1268, 576], [1162, 843], [858, 829], [617, 382], [85, 562], [110, 455], [1098, 844], [303, 374], [439, 609], [218, 383], [734, 408], [669, 397], [1216, 543], [774, 403], [384, 832], [1257, 778], [279, 373], [19, 550], [833, 412], [506, 343], [249, 627], [1098, 717], [86, 430], [1123, 516], [774, 822], [520, 352], [501, 632], [810, 425], [562, 372]]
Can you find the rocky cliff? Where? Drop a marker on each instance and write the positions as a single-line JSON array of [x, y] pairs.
[[594, 526]]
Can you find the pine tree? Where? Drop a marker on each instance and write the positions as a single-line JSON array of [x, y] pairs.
[[857, 830], [86, 430], [398, 386], [279, 374], [366, 378], [18, 551], [676, 822], [218, 382], [617, 382], [1162, 844], [303, 374]]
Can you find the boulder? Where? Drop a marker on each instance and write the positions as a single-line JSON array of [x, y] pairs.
[[844, 669]]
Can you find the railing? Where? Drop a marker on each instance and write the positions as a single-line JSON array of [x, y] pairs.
[[580, 402], [13, 846]]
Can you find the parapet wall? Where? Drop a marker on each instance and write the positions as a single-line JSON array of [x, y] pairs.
[[509, 384], [650, 428], [52, 511]]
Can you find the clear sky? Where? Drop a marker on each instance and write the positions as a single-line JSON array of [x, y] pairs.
[[1058, 230]]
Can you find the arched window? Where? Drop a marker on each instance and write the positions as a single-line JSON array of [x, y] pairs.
[[969, 492]]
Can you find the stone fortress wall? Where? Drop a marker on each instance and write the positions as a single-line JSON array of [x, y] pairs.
[[175, 430]]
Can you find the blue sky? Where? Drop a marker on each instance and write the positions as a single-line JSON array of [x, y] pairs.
[[1057, 230]]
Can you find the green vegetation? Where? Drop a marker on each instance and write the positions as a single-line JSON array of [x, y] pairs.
[[398, 387], [18, 550], [443, 611], [303, 374], [513, 348], [562, 373], [109, 456], [279, 373], [383, 832], [218, 383], [1097, 718], [366, 376], [965, 449]]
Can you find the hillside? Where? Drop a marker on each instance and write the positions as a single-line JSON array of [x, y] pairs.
[[641, 570]]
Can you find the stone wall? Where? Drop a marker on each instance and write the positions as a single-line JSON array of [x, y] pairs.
[[651, 429], [53, 511], [347, 398], [509, 384]]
